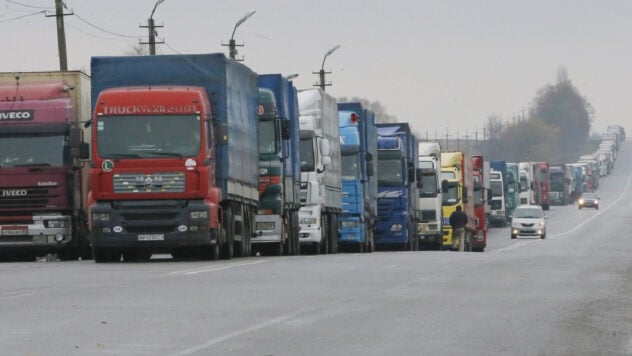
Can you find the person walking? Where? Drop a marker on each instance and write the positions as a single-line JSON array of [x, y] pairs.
[[458, 220]]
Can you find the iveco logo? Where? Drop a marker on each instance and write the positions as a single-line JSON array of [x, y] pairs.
[[13, 192]]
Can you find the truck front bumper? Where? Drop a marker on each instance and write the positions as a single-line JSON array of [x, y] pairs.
[[54, 231]]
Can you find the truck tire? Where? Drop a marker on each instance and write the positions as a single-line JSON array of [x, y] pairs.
[[226, 248], [333, 234]]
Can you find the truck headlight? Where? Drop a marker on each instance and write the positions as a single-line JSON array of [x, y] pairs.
[[199, 214], [396, 227], [101, 217]]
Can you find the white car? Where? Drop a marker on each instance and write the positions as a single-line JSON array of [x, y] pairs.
[[528, 220]]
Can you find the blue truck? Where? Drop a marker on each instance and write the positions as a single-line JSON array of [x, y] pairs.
[[175, 164], [279, 167], [398, 194], [358, 148]]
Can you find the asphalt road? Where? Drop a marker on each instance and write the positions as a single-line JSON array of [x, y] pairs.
[[570, 294]]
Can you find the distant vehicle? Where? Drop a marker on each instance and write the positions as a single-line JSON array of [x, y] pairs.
[[588, 200], [528, 220]]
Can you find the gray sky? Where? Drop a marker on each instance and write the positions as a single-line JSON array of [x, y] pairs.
[[438, 64]]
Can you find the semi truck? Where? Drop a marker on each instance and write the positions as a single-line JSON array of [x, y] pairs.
[[513, 186], [498, 185], [545, 185], [358, 148], [429, 228], [175, 164], [321, 183], [279, 167], [480, 196], [457, 187], [527, 192], [561, 185], [43, 175], [397, 187]]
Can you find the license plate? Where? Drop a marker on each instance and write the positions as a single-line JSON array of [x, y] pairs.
[[151, 237], [14, 230]]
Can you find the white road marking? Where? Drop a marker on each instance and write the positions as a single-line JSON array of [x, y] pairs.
[[601, 211], [188, 272]]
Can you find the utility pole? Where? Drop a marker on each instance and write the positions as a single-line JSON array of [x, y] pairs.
[[321, 73], [152, 30], [61, 34]]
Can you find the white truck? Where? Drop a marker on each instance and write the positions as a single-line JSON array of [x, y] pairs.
[[321, 182], [430, 230], [527, 194]]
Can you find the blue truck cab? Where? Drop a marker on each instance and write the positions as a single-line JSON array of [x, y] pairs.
[[397, 188], [358, 148]]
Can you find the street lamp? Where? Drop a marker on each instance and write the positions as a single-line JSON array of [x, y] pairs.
[[152, 29], [232, 47], [322, 72]]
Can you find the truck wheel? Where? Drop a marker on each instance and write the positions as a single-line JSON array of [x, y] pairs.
[[324, 238], [333, 234], [226, 249]]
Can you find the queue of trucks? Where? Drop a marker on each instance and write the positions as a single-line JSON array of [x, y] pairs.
[[199, 157]]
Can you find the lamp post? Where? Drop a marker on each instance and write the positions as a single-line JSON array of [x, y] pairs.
[[232, 46], [152, 29], [322, 84]]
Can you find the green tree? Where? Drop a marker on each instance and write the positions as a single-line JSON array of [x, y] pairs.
[[562, 107]]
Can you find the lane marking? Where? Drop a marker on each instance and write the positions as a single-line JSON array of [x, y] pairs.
[[601, 211], [189, 272]]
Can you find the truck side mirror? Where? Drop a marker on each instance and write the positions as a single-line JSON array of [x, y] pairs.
[[324, 147], [420, 182], [286, 133], [369, 169], [78, 148], [465, 195], [221, 132], [444, 186]]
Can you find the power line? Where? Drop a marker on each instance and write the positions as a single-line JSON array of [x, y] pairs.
[[23, 16], [102, 29], [95, 36], [31, 6]]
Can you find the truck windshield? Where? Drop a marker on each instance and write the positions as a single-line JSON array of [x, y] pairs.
[[308, 162], [451, 197], [349, 166], [429, 188], [557, 182], [23, 150], [447, 175], [390, 172], [524, 184], [496, 187], [267, 137], [148, 136]]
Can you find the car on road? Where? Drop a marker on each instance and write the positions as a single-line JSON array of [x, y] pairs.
[[528, 220], [588, 200]]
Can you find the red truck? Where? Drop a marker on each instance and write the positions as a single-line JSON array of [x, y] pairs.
[[479, 238], [545, 185], [43, 176]]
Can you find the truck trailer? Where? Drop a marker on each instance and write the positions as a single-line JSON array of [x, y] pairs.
[[43, 175], [175, 164]]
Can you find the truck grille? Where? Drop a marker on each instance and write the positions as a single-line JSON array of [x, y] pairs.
[[29, 198], [149, 183], [428, 215]]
